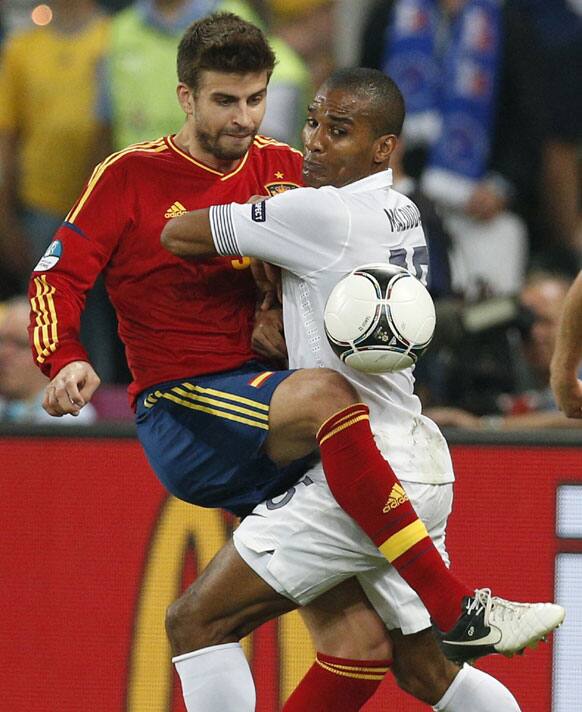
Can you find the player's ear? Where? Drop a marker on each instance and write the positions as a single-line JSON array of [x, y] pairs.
[[384, 147], [185, 98]]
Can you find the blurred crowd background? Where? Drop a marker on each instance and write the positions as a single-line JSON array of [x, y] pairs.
[[491, 153]]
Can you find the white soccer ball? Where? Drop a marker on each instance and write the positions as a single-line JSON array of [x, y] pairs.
[[379, 318]]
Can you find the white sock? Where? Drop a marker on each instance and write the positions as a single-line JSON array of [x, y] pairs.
[[475, 691], [216, 678]]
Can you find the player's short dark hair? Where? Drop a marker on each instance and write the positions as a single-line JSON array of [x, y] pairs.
[[222, 42], [385, 100]]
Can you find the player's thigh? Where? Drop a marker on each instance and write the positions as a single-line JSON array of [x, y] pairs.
[[343, 623], [302, 543], [204, 437]]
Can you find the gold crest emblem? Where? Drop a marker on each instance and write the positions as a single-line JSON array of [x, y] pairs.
[[275, 188]]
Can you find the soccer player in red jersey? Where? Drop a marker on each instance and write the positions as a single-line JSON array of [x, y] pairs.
[[213, 421]]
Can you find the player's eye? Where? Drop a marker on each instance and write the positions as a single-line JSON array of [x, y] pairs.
[[311, 122], [338, 131]]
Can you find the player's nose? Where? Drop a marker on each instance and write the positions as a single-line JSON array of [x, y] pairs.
[[243, 116], [312, 141]]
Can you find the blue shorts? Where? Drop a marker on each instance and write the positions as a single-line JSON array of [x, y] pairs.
[[203, 437]]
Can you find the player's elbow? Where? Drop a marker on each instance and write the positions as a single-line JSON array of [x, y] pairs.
[[172, 242], [188, 236]]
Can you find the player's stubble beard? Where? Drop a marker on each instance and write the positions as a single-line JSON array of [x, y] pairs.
[[211, 144]]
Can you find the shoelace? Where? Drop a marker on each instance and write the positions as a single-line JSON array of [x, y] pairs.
[[495, 607], [481, 600]]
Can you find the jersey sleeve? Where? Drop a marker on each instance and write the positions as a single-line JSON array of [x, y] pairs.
[[302, 230], [80, 250]]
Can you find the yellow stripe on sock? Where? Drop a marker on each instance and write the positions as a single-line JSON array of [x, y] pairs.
[[343, 426], [403, 540], [356, 676], [357, 668], [353, 411]]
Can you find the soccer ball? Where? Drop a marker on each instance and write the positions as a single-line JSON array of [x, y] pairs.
[[379, 319]]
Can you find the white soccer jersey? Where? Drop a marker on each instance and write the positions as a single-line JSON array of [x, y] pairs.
[[317, 236]]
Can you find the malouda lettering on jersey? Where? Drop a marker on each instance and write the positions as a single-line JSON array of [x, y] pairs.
[[404, 218]]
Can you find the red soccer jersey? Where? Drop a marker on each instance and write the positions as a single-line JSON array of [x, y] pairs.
[[176, 318]]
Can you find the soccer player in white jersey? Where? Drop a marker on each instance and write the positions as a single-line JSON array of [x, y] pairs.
[[294, 549]]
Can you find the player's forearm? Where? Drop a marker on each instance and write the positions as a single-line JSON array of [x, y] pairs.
[[189, 235], [56, 305], [568, 351]]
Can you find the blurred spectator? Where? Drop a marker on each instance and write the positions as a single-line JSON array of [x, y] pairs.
[[467, 69], [138, 97], [21, 383], [530, 403], [47, 126], [437, 237], [309, 27], [48, 148], [558, 26]]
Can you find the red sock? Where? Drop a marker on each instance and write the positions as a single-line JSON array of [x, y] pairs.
[[365, 486], [337, 685]]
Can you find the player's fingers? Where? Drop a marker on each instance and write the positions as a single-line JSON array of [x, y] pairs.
[[573, 408], [269, 342], [66, 403], [60, 403], [62, 396], [269, 299], [50, 403], [89, 386]]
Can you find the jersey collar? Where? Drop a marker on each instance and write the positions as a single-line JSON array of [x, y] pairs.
[[223, 176], [382, 179]]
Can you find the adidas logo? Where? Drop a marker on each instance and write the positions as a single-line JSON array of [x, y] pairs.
[[175, 210], [397, 496]]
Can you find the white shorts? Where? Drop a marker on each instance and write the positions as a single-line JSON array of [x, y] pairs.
[[302, 544]]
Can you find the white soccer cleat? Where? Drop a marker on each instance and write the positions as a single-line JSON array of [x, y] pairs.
[[489, 624]]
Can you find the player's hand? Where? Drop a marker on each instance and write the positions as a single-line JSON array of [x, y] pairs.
[[267, 338], [71, 389], [268, 280], [568, 393], [485, 203]]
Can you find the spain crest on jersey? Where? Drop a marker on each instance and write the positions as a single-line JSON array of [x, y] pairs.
[[281, 187]]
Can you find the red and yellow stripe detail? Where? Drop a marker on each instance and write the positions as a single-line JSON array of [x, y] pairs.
[[403, 540], [217, 403], [45, 333], [355, 415], [258, 381], [358, 672], [265, 141]]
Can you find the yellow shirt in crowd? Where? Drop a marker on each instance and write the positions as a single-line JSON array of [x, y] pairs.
[[48, 90]]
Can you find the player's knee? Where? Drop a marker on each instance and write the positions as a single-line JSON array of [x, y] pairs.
[[329, 392], [190, 627]]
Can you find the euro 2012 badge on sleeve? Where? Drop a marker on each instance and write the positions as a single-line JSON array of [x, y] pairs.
[[51, 257]]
